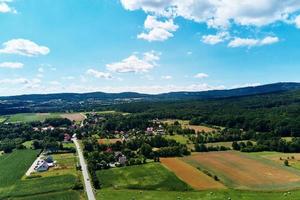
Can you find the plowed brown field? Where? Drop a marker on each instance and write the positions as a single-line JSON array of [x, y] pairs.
[[244, 172], [192, 176], [78, 117]]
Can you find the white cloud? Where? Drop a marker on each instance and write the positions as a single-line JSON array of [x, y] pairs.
[[5, 8], [136, 64], [157, 30], [27, 83], [215, 39], [245, 85], [54, 83], [249, 42], [189, 53], [201, 75], [40, 69], [220, 14], [23, 47], [167, 77], [269, 40], [98, 74], [297, 21], [40, 75], [11, 65]]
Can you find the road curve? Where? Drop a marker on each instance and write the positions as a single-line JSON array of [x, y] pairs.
[[86, 177]]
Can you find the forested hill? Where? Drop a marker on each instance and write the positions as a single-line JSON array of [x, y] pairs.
[[270, 88], [274, 112], [100, 101]]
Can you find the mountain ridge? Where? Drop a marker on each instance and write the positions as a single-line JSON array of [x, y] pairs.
[[244, 91]]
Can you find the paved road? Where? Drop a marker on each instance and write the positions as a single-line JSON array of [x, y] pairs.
[[87, 180]]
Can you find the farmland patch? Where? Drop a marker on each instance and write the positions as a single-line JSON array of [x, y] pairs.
[[191, 175], [241, 171]]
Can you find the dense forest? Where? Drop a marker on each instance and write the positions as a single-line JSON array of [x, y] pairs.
[[276, 112]]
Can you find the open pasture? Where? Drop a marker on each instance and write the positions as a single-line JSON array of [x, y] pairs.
[[14, 165], [293, 158], [185, 124], [77, 117], [189, 174], [179, 138], [240, 171], [30, 117], [66, 195], [2, 119], [151, 176], [198, 195], [109, 141]]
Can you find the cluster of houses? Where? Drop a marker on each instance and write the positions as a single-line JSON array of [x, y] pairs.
[[158, 131], [120, 160], [44, 164]]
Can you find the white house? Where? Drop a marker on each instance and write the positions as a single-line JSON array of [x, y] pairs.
[[42, 166]]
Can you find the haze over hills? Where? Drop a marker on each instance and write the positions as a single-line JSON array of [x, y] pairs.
[[245, 91]]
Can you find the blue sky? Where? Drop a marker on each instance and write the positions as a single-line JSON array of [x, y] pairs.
[[149, 46]]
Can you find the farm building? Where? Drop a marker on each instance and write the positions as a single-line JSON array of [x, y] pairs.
[[42, 166]]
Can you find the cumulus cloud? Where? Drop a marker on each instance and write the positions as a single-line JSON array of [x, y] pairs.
[[5, 8], [98, 74], [157, 30], [23, 47], [201, 75], [249, 42], [297, 21], [11, 65], [215, 39], [220, 14], [135, 63]]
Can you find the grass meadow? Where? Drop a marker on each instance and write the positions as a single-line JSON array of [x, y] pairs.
[[13, 186], [151, 176], [109, 194], [30, 117], [2, 119], [14, 165]]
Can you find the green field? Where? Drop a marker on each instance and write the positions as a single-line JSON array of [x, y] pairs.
[[68, 195], [13, 166], [28, 144], [179, 138], [206, 195], [152, 176], [2, 119], [275, 156], [30, 117]]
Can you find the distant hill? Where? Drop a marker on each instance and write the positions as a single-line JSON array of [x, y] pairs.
[[246, 91]]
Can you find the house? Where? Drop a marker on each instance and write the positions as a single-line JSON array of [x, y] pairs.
[[160, 130], [49, 128], [122, 160], [41, 166], [67, 137], [149, 130], [49, 159]]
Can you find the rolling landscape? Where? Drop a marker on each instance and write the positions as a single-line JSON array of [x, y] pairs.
[[149, 100]]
